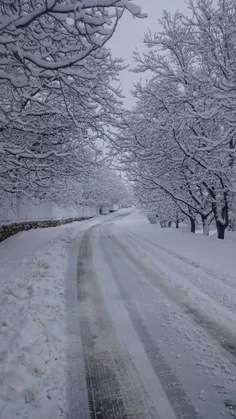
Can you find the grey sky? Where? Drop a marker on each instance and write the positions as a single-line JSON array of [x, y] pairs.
[[130, 34]]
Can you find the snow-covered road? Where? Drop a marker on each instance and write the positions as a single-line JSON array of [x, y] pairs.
[[116, 318], [156, 336]]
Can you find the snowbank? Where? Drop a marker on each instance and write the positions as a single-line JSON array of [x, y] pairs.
[[214, 256], [32, 346], [32, 326]]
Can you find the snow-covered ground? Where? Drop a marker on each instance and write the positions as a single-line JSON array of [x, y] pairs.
[[33, 274], [208, 253], [171, 308], [201, 270], [164, 298], [32, 339], [192, 311]]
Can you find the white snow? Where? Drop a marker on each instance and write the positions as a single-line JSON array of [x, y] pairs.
[[192, 312], [200, 270], [206, 253], [196, 270], [32, 312], [33, 273]]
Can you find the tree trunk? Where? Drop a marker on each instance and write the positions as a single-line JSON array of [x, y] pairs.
[[233, 225], [193, 225], [177, 223], [169, 224], [205, 226], [220, 230], [221, 226]]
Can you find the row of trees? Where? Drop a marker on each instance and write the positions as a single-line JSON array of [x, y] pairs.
[[178, 143], [102, 187], [58, 90]]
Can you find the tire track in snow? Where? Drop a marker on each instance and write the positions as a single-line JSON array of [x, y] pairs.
[[219, 293], [113, 385], [77, 401], [224, 336], [173, 389], [76, 391]]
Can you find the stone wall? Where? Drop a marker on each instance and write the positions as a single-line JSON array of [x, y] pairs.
[[19, 215]]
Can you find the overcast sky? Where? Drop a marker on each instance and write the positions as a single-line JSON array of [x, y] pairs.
[[130, 34]]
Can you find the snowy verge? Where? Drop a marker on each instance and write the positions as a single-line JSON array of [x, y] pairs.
[[33, 322], [32, 337], [215, 257]]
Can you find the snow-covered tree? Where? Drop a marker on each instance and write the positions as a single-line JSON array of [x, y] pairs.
[[180, 137], [105, 187], [50, 134], [57, 88]]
